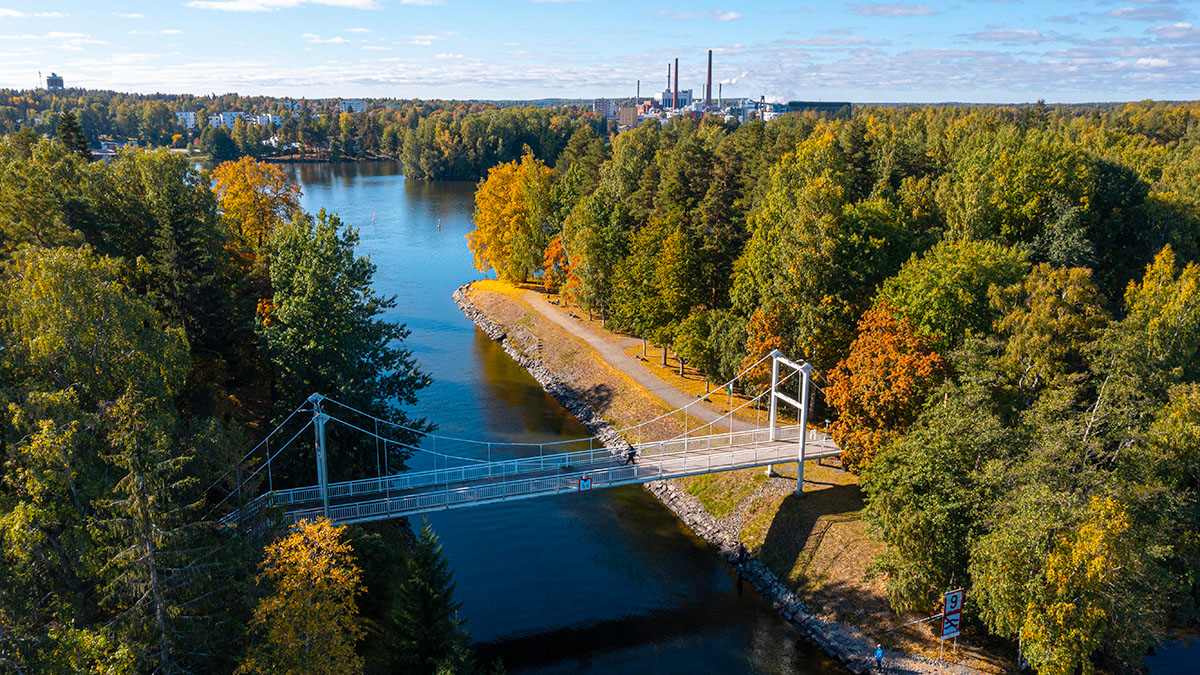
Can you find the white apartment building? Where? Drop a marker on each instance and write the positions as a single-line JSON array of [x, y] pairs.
[[225, 119], [187, 120], [352, 105]]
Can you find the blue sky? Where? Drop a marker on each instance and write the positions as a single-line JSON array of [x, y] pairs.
[[909, 50]]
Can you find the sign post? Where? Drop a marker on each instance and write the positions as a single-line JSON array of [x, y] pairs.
[[951, 618]]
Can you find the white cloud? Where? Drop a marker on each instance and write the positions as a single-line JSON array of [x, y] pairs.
[[172, 31], [448, 56], [833, 41], [6, 13], [375, 48], [271, 5], [1176, 32], [317, 39], [357, 30], [133, 15], [1026, 36], [1158, 13], [423, 40], [712, 15], [892, 9], [1152, 63]]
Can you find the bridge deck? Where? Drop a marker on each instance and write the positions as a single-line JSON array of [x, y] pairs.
[[418, 492]]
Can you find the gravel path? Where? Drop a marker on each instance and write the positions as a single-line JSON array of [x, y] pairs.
[[614, 355]]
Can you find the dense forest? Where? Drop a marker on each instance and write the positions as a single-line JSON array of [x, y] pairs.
[[154, 319], [436, 140], [1002, 306]]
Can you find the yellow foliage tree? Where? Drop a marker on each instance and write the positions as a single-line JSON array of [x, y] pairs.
[[255, 198], [309, 623], [1062, 631], [512, 227]]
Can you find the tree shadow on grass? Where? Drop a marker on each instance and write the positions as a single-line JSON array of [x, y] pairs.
[[598, 397], [795, 537]]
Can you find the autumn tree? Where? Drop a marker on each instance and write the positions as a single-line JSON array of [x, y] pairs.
[[256, 198], [512, 219], [878, 389], [556, 266], [308, 622]]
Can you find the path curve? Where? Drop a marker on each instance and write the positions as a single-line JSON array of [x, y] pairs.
[[614, 355]]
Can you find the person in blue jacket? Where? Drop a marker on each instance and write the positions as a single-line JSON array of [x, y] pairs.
[[879, 657]]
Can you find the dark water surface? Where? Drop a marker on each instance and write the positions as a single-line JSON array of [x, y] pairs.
[[606, 581]]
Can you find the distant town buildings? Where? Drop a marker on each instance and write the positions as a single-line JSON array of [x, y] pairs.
[[225, 119], [667, 98], [187, 120], [54, 82], [228, 119], [352, 105], [605, 107]]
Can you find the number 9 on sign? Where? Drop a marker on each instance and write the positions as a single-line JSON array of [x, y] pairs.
[[954, 601]]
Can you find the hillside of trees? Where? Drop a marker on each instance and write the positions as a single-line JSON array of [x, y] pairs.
[[1002, 306], [153, 320], [436, 140]]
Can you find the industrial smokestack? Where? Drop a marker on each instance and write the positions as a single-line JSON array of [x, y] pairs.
[[675, 100], [668, 76], [639, 93], [708, 87]]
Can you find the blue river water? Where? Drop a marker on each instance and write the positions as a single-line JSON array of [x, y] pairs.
[[607, 581]]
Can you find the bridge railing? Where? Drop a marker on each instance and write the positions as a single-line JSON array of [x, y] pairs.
[[524, 465], [649, 454], [666, 465]]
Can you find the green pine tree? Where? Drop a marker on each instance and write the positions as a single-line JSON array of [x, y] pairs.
[[428, 636], [70, 132]]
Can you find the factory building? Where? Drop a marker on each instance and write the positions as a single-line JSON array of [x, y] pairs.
[[54, 82]]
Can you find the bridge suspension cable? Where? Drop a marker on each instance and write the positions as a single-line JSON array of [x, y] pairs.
[[322, 414]]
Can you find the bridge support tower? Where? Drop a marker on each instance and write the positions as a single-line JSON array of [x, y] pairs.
[[801, 405], [319, 419]]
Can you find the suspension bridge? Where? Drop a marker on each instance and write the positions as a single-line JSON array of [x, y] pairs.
[[472, 476]]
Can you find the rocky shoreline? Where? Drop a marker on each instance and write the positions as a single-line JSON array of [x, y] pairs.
[[842, 642]]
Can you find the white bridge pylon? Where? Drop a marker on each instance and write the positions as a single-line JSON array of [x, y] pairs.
[[473, 476]]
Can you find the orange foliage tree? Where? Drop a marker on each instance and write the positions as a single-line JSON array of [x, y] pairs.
[[879, 388], [556, 268]]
